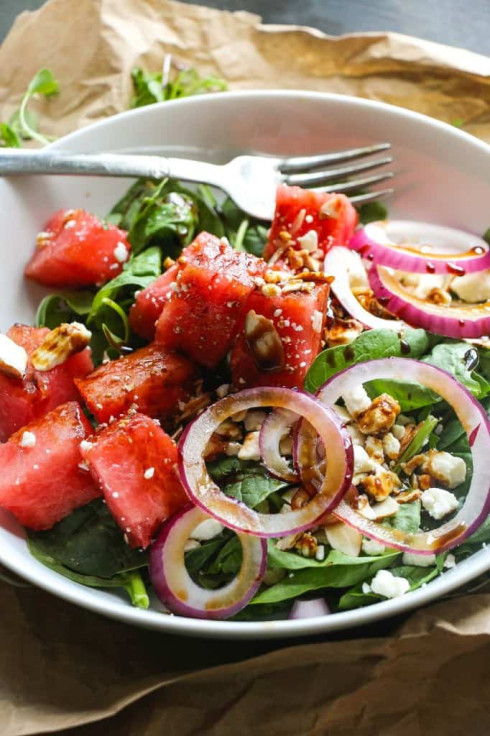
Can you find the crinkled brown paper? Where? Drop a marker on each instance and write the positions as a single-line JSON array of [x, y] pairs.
[[60, 666]]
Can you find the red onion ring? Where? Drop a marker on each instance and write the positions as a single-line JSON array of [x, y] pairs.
[[274, 428], [235, 514], [335, 264], [477, 427], [457, 252], [175, 587], [460, 321]]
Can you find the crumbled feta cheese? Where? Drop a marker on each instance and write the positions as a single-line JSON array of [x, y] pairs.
[[446, 468], [342, 414], [250, 450], [374, 448], [388, 585], [450, 562], [28, 439], [391, 446], [410, 558], [356, 400], [207, 529], [398, 431], [320, 553], [309, 241], [356, 435], [85, 445], [317, 321], [83, 466], [254, 420], [362, 462], [472, 287], [372, 548], [366, 588], [121, 252], [438, 502], [149, 473], [13, 358]]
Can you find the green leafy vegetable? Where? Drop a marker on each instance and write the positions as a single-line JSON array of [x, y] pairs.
[[454, 357], [88, 547], [372, 211], [336, 571], [23, 123], [63, 306], [486, 236], [151, 87], [416, 576], [368, 346], [244, 233], [422, 434], [246, 481], [408, 517], [9, 136]]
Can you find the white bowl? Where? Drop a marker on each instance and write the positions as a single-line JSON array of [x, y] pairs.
[[443, 176]]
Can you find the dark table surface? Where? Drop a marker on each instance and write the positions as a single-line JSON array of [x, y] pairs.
[[455, 22]]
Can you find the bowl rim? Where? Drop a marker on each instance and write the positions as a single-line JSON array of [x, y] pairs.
[[119, 609]]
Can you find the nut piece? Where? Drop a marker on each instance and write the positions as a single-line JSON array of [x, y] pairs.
[[381, 485], [380, 416], [306, 545], [13, 358], [59, 345], [264, 342]]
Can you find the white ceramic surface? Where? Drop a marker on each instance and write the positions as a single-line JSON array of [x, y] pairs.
[[443, 176]]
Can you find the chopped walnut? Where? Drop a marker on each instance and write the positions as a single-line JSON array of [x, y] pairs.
[[425, 481], [380, 485], [408, 496], [306, 545], [367, 300], [193, 407], [413, 464], [410, 432], [380, 416], [439, 296], [286, 543], [229, 430]]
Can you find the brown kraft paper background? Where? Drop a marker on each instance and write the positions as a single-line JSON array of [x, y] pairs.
[[62, 667]]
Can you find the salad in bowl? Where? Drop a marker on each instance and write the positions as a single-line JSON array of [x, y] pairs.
[[250, 423]]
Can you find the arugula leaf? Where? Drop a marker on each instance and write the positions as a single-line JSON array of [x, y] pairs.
[[151, 87], [63, 306], [453, 357], [416, 576], [244, 233], [337, 571], [88, 547], [137, 273], [369, 345], [246, 481], [167, 218]]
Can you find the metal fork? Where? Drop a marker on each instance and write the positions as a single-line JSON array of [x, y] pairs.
[[251, 181]]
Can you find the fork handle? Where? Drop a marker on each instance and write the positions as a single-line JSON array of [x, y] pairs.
[[15, 162]]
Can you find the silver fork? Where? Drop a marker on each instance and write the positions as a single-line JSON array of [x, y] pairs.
[[251, 181]]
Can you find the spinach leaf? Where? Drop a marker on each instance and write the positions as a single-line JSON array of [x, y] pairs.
[[246, 481], [453, 358], [369, 345], [408, 517], [479, 538], [63, 306], [197, 558], [410, 395], [337, 571], [89, 548], [229, 558], [416, 576]]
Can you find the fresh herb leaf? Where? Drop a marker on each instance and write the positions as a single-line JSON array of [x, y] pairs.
[[9, 137], [151, 87], [43, 83], [368, 346]]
